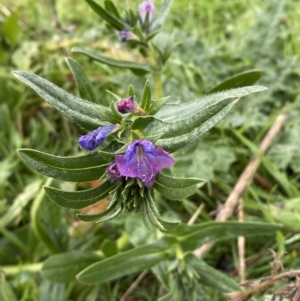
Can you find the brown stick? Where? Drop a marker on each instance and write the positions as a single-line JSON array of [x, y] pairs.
[[241, 245], [263, 285], [245, 178], [134, 285], [196, 214]]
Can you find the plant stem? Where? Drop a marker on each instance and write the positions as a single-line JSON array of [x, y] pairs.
[[15, 269], [155, 75]]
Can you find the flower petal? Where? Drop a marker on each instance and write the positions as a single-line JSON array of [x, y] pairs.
[[143, 161], [95, 138], [146, 7]]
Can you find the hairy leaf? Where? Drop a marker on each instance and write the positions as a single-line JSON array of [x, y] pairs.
[[85, 113], [193, 236], [77, 169], [64, 267], [84, 86], [183, 124], [106, 15], [160, 18], [132, 261], [79, 199], [134, 67], [113, 211], [244, 79], [176, 188]]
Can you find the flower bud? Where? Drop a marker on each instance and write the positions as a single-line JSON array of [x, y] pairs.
[[113, 172], [128, 105], [95, 138]]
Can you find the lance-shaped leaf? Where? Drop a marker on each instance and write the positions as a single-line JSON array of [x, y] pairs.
[[146, 98], [106, 15], [79, 199], [85, 113], [176, 188], [75, 169], [136, 68], [152, 215], [64, 267], [160, 18], [109, 5], [209, 276], [85, 88], [183, 124], [244, 79], [157, 104], [6, 292], [193, 236], [125, 263], [113, 211]]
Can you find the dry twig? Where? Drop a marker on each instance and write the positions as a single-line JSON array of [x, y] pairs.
[[241, 244]]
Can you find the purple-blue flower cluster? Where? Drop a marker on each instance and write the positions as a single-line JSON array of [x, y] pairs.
[[141, 159]]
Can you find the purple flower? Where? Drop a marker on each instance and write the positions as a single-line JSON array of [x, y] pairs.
[[126, 35], [146, 7], [127, 105], [142, 160], [95, 138], [113, 172]]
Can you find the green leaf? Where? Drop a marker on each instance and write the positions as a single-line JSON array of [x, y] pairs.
[[181, 125], [14, 211], [85, 88], [141, 122], [109, 5], [51, 291], [160, 18], [40, 221], [286, 213], [134, 67], [81, 111], [76, 169], [106, 15], [193, 236], [11, 29], [126, 263], [131, 91], [146, 98], [79, 199], [109, 248], [210, 276], [176, 188], [6, 292], [246, 78], [64, 267], [157, 104], [152, 215], [113, 211], [51, 225]]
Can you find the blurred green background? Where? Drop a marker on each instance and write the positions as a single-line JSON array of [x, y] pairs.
[[216, 39]]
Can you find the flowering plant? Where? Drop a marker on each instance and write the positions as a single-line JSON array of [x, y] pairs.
[[129, 149], [130, 145]]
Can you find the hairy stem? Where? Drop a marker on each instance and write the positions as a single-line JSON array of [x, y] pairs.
[[156, 76]]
